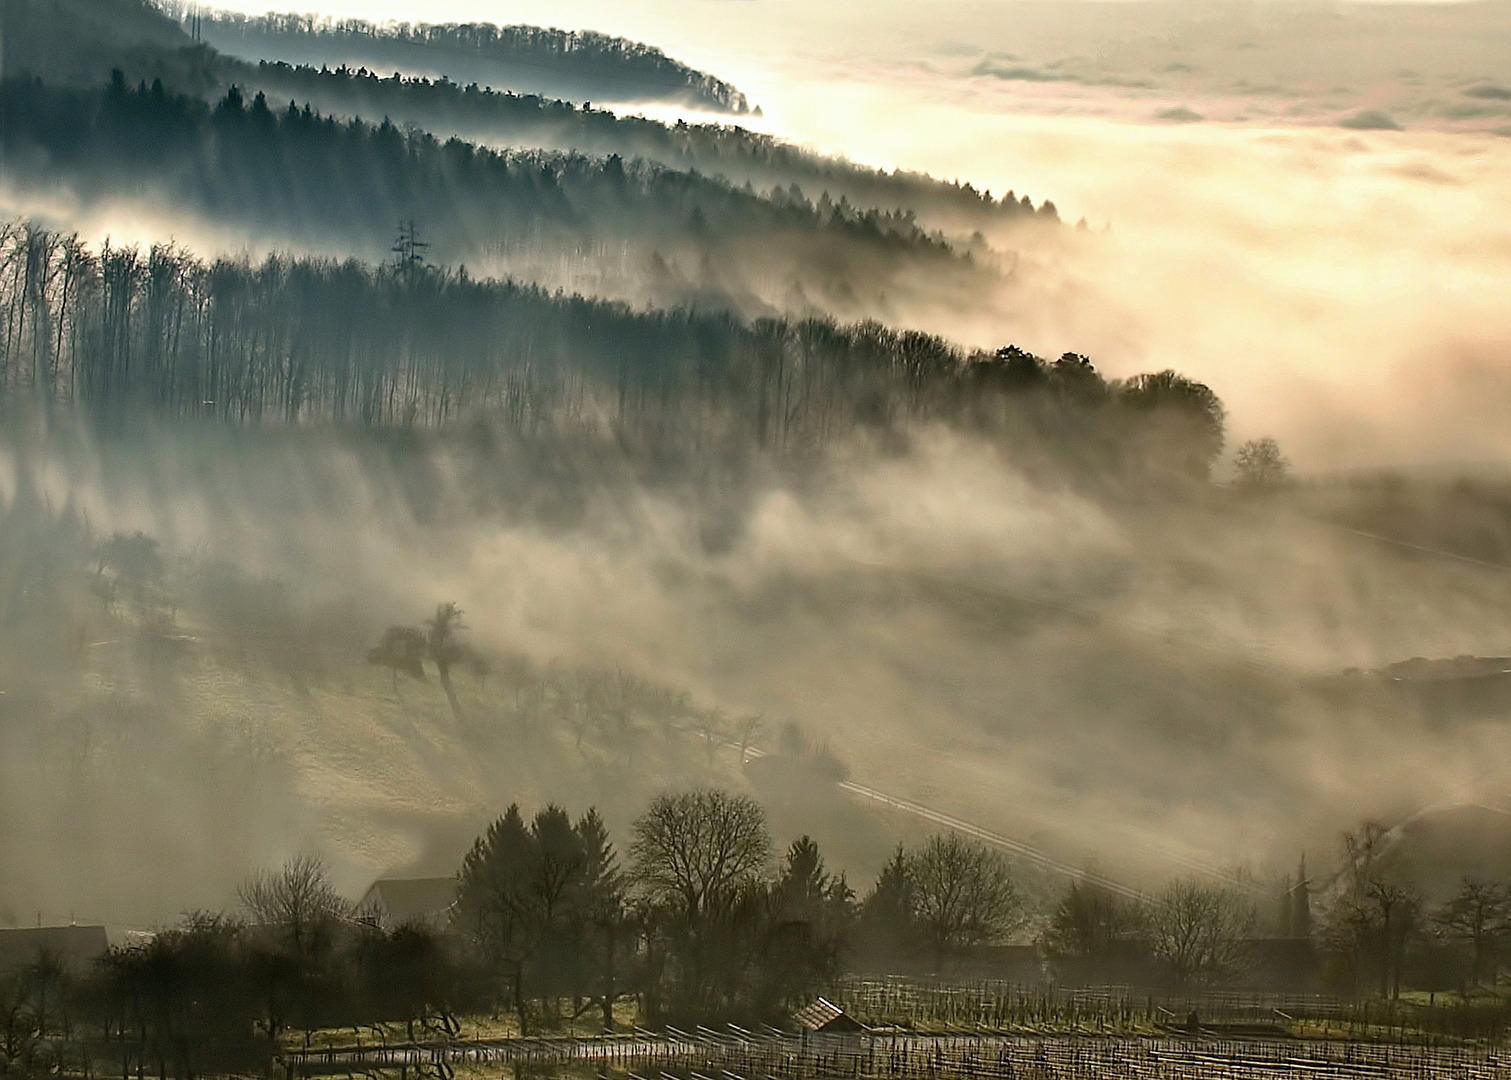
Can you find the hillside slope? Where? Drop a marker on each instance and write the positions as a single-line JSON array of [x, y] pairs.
[[577, 66]]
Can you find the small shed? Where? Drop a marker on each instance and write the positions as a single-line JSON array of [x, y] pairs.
[[392, 902], [73, 947], [826, 1018]]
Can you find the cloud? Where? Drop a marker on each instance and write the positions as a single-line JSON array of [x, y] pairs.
[[1314, 279]]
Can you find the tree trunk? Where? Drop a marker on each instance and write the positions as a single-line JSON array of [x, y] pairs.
[[521, 1010], [456, 706]]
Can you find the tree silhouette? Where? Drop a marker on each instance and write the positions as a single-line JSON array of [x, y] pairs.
[[1478, 915], [1183, 425], [443, 648], [886, 930], [298, 899], [1374, 915], [748, 729], [1201, 931], [609, 927], [402, 649], [409, 252], [699, 848], [497, 905], [545, 903], [1091, 926], [1259, 465], [962, 894], [808, 936]]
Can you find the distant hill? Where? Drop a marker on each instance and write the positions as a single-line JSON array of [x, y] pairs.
[[734, 153], [620, 229], [1441, 847], [576, 65], [82, 42]]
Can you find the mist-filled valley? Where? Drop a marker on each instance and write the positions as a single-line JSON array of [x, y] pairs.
[[1063, 438]]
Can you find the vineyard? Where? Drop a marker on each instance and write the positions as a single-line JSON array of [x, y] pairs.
[[1002, 1006], [743, 1055]]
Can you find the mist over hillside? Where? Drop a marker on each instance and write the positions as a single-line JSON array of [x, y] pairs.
[[194, 599], [747, 466], [48, 43], [644, 229]]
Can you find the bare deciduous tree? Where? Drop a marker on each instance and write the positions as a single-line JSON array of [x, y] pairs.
[[699, 848], [962, 894], [298, 898], [1376, 913], [444, 648], [1479, 915], [749, 729], [1259, 463], [401, 650], [1202, 931]]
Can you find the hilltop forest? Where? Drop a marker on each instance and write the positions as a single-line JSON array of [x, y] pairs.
[[583, 66]]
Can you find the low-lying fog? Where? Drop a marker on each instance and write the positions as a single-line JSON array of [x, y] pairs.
[[1127, 687], [1107, 681]]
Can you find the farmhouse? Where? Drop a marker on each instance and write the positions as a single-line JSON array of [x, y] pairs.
[[392, 902], [73, 947]]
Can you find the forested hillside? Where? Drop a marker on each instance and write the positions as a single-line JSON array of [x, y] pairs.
[[464, 321], [79, 41], [79, 44], [578, 66], [302, 340], [632, 231], [724, 150]]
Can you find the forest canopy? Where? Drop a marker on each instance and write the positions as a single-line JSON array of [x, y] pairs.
[[640, 231], [296, 340], [77, 44], [531, 58]]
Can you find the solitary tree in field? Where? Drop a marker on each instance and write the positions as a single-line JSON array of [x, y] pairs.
[[402, 649], [1259, 464]]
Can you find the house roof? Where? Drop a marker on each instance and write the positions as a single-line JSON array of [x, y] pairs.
[[411, 898], [74, 946], [824, 1015]]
